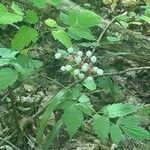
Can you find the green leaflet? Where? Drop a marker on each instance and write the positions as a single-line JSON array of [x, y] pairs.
[[101, 126], [63, 37], [52, 134], [77, 32], [136, 132], [119, 110], [24, 37], [84, 99], [51, 23], [115, 133], [9, 18], [6, 55], [31, 17], [26, 65], [90, 84], [84, 18], [8, 77], [73, 119], [129, 120], [49, 110], [3, 8]]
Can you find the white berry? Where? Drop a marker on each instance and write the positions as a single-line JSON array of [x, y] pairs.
[[95, 69], [57, 55], [80, 53], [63, 68], [88, 53], [84, 68], [70, 50], [85, 64], [93, 59], [68, 67], [77, 59], [89, 78], [81, 75], [76, 72], [100, 72]]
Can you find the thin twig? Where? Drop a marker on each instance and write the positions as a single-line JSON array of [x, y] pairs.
[[124, 71], [12, 145], [102, 34], [48, 78]]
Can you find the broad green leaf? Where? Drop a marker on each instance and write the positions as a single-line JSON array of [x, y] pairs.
[[84, 18], [54, 2], [101, 126], [63, 37], [38, 3], [8, 77], [3, 7], [6, 55], [24, 37], [84, 99], [77, 32], [90, 84], [136, 132], [129, 120], [119, 110], [73, 119], [17, 8], [52, 134], [31, 17], [49, 110], [51, 23], [9, 18], [115, 133]]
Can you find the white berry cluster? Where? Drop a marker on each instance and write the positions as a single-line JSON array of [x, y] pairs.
[[80, 63]]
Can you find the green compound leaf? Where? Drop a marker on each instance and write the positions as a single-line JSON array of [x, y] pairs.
[[6, 55], [31, 17], [63, 37], [49, 110], [17, 9], [115, 133], [136, 132], [119, 110], [9, 18], [90, 84], [8, 77], [24, 37], [101, 126], [73, 119]]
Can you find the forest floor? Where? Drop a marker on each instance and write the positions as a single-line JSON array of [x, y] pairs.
[[32, 95]]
